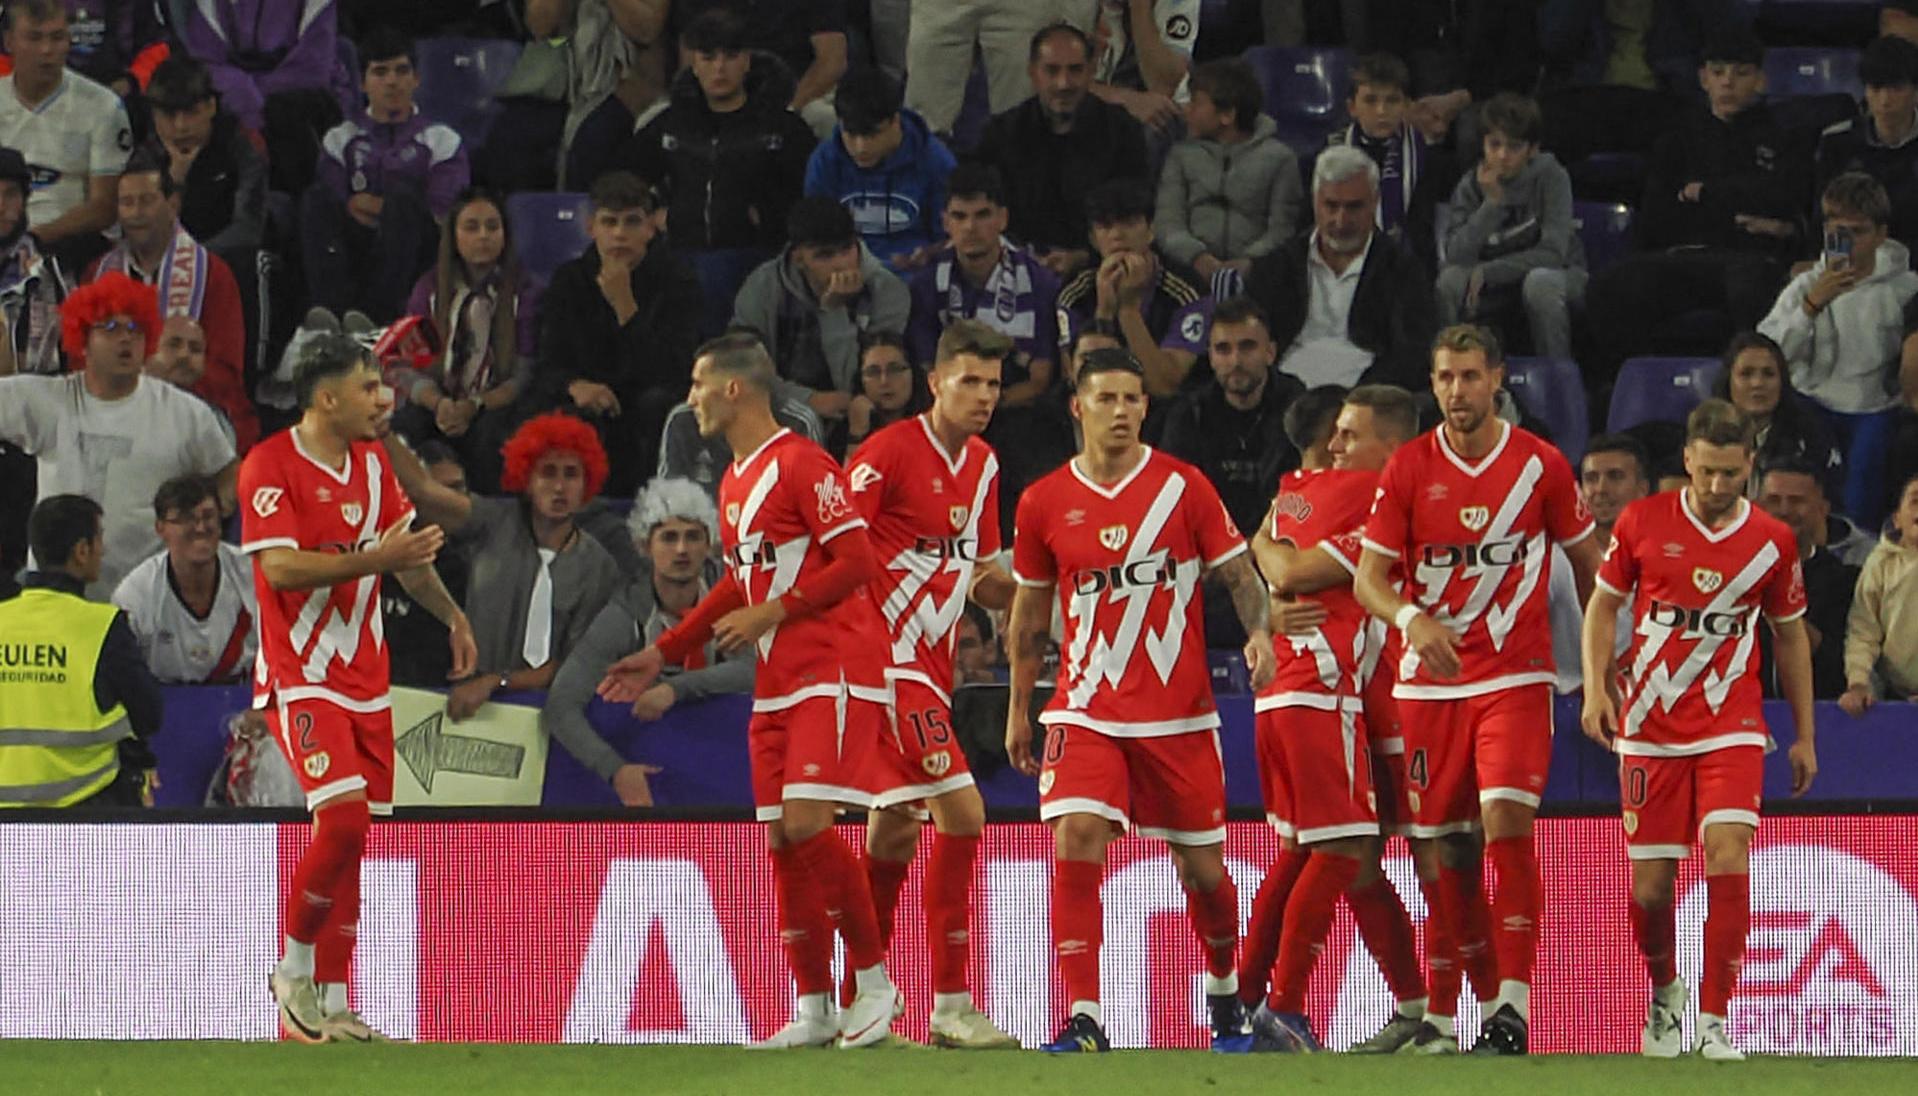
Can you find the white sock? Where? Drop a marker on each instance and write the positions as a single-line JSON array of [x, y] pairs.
[[951, 1004], [1516, 994], [1218, 987], [1086, 1008], [872, 980], [1671, 993], [332, 998], [1414, 1008], [1446, 1025], [296, 961], [814, 1006]]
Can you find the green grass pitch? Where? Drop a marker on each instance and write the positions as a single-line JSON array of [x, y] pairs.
[[242, 1069]]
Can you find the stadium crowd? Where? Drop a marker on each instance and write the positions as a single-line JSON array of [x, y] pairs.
[[190, 192]]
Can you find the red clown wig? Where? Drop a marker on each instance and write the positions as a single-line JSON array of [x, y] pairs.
[[541, 435], [100, 300]]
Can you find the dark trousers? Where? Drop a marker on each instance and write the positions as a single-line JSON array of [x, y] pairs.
[[1631, 306], [295, 122], [478, 447], [349, 265]]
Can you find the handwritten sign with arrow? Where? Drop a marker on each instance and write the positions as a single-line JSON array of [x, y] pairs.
[[495, 759]]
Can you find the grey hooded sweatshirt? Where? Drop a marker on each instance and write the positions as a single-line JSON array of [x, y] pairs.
[[1230, 201], [816, 347], [1529, 227]]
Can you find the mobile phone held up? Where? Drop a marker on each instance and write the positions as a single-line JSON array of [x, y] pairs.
[[1838, 248]]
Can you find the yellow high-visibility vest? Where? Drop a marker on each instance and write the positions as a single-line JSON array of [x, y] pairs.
[[57, 746]]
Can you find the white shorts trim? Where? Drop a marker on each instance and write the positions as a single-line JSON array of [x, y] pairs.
[[1059, 808], [896, 674], [1388, 747], [1404, 691], [794, 699], [338, 787], [1657, 852], [384, 810], [1323, 702], [1334, 833], [870, 695], [321, 692], [1413, 829], [768, 814], [911, 793], [1206, 722], [1726, 817], [1635, 747], [1279, 825], [1187, 838], [1033, 583], [827, 793], [1510, 795]]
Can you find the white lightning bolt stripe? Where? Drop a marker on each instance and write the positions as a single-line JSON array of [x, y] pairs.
[[1659, 685], [1093, 659]]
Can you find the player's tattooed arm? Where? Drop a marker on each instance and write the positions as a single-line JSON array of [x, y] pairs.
[[437, 503], [1251, 600]]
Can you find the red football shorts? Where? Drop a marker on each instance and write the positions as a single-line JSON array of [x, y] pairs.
[[1316, 772], [334, 750], [1465, 751], [1670, 800], [1169, 786], [920, 757], [824, 748], [1387, 742]]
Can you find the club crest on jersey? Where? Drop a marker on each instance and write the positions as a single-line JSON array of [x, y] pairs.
[[958, 515], [1631, 823], [1114, 536], [1045, 781], [317, 764], [352, 512], [266, 501], [936, 764], [732, 513], [832, 500], [1475, 518], [1707, 580]]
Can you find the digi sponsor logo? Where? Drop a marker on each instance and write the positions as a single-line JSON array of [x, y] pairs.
[[1696, 623], [965, 548], [1828, 964]]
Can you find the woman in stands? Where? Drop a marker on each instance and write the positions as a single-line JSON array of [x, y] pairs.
[[484, 313], [1754, 379], [891, 387]]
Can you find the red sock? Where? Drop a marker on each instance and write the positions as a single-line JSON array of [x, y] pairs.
[[949, 909], [885, 879], [1471, 926], [1387, 931], [339, 840], [1443, 977], [1214, 917], [1078, 926], [1515, 906], [804, 929], [848, 899], [333, 951], [1268, 918], [1308, 917], [1656, 930], [1728, 917]]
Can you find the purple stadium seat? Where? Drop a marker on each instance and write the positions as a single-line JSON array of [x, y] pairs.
[[1796, 72], [1554, 390], [1305, 90], [1605, 228], [1659, 390], [1816, 20], [457, 79], [548, 229]]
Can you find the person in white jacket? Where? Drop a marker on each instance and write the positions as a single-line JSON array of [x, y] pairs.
[[1841, 325], [1881, 637]]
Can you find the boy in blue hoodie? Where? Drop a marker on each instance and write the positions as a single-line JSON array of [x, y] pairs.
[[884, 165]]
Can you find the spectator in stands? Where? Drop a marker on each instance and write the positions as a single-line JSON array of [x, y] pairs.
[[617, 61], [1794, 493], [812, 301], [485, 311], [807, 37], [1346, 304], [1412, 176], [421, 656], [1233, 428], [1756, 380], [981, 275], [1882, 141], [1881, 633], [73, 133], [684, 454], [1144, 59], [536, 579], [939, 52], [1046, 434], [1230, 192], [891, 387], [1509, 237], [215, 165], [180, 360], [1860, 287], [368, 226], [187, 280], [676, 529], [110, 433], [277, 68], [1899, 18], [191, 605], [975, 651], [884, 165], [1719, 220], [92, 727], [117, 45], [617, 329], [31, 282], [728, 154], [1614, 473], [1309, 421], [1159, 308], [1054, 148]]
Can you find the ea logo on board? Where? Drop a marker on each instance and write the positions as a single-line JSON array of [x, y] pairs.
[[1827, 966]]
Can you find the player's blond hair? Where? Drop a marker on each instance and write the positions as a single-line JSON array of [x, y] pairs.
[[1464, 338], [1720, 422]]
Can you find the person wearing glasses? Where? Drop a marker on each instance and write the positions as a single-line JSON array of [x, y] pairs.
[[109, 431], [890, 387], [191, 604]]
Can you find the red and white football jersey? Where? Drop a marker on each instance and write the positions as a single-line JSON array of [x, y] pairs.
[[932, 517], [778, 508], [1690, 677], [1314, 510], [1127, 561], [1472, 539], [330, 642]]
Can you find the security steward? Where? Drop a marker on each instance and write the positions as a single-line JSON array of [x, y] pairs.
[[77, 701]]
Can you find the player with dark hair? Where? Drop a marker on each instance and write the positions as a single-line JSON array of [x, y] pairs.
[[323, 517]]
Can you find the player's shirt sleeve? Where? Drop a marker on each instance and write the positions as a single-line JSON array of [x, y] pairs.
[[1189, 328], [989, 542], [1567, 520], [395, 505], [1032, 560], [268, 515], [1784, 597], [1337, 524], [818, 494], [1218, 538], [1389, 526], [1619, 572], [867, 479]]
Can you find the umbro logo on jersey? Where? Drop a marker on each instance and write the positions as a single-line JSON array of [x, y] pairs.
[[1114, 536], [958, 515], [1475, 518], [864, 476], [352, 512], [266, 501], [1673, 549], [324, 494], [1075, 517], [938, 486], [1707, 580], [1433, 493]]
